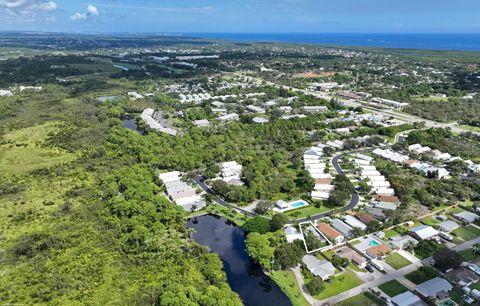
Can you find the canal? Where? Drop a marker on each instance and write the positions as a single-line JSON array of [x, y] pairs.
[[245, 278]]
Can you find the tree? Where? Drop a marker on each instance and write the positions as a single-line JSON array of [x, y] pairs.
[[220, 187], [338, 197], [257, 224], [446, 258], [258, 247], [211, 171], [373, 226], [278, 221], [289, 255], [263, 206], [339, 261], [315, 286]]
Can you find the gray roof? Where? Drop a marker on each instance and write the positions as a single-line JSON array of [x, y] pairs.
[[290, 230], [321, 268], [198, 205], [400, 242], [388, 206], [424, 231], [448, 226], [467, 216], [342, 227], [407, 299], [433, 287]]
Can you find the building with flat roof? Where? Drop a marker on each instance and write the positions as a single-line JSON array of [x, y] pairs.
[[407, 299], [466, 216], [448, 226], [354, 222]]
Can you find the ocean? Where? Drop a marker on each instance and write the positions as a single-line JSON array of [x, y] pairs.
[[458, 42]]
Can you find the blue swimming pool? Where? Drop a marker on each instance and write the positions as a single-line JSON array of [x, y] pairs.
[[374, 243], [298, 204]]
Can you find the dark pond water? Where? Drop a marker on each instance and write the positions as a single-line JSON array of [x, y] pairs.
[[131, 124], [245, 278]]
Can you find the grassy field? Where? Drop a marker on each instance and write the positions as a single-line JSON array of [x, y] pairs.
[[286, 281], [24, 150], [339, 284], [467, 232], [306, 211], [358, 300], [397, 261], [430, 221], [393, 288], [417, 277]]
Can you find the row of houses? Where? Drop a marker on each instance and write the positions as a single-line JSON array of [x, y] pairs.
[[441, 156], [424, 168], [149, 116], [315, 165], [197, 98], [380, 186], [180, 192]]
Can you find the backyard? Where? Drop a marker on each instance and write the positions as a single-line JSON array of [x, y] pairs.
[[392, 288], [360, 299], [467, 232], [339, 284], [397, 261]]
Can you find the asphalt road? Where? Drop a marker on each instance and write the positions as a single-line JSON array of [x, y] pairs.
[[389, 276]]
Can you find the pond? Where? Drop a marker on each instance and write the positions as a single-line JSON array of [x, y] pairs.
[[131, 124], [245, 278]]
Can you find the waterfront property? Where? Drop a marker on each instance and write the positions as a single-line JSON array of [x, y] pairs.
[[321, 268]]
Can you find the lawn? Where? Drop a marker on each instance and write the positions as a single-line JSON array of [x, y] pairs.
[[468, 255], [430, 221], [467, 232], [390, 233], [361, 299], [339, 284], [308, 211], [393, 288], [418, 276], [476, 286], [287, 282], [397, 261]]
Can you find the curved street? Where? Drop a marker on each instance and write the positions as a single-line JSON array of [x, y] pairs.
[[200, 180]]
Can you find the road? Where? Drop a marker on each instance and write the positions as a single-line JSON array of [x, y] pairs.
[[388, 277]]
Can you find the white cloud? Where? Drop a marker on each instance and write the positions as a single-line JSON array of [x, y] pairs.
[[26, 10], [92, 12]]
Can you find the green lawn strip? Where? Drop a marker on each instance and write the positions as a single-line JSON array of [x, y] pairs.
[[397, 261], [390, 233], [287, 282], [308, 211], [467, 232], [476, 286], [339, 284], [430, 221], [360, 299], [393, 288]]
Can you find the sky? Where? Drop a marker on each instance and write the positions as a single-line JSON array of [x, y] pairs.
[[242, 16]]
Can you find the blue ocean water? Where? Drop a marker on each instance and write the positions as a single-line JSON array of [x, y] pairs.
[[462, 42]]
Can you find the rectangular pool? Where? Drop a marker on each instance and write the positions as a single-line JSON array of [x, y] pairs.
[[298, 204]]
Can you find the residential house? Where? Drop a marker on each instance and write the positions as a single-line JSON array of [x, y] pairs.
[[292, 234], [448, 226], [321, 268], [436, 288], [407, 299], [378, 251], [354, 222], [343, 228], [466, 217], [423, 232], [403, 242], [333, 235], [352, 255], [364, 217]]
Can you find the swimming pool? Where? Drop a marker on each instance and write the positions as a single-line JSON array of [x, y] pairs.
[[374, 243], [298, 204]]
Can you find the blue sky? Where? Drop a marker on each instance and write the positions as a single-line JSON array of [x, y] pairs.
[[255, 16]]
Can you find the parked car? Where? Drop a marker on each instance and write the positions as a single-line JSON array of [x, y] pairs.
[[369, 268]]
